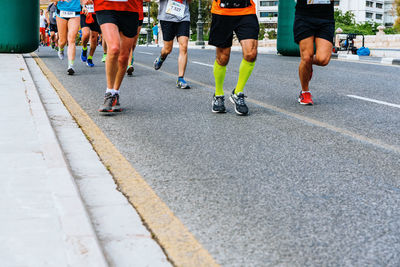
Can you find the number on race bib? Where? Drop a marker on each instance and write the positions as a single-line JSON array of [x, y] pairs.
[[175, 8], [318, 2], [67, 14]]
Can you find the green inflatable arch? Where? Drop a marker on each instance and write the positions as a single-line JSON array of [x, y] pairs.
[[19, 30], [285, 43]]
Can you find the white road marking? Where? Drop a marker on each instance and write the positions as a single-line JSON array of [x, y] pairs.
[[147, 53], [204, 64], [375, 101]]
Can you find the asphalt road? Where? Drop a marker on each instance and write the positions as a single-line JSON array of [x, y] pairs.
[[288, 185]]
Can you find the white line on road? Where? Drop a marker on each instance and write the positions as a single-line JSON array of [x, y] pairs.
[[204, 64], [375, 101], [147, 53]]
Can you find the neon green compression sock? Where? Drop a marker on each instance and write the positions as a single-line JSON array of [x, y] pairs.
[[84, 48], [219, 75], [245, 70], [89, 57]]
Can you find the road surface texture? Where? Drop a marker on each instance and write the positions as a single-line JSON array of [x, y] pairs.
[[287, 185]]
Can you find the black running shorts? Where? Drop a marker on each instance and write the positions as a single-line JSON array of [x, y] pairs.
[[93, 26], [53, 28], [222, 28], [127, 22], [305, 27], [171, 29], [140, 23]]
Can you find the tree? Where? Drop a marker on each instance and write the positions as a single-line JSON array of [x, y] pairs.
[[397, 8], [347, 18]]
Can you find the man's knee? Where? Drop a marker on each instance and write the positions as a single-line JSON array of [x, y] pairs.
[[250, 56], [167, 49], [307, 59], [322, 60], [113, 49]]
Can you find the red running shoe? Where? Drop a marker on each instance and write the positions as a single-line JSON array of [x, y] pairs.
[[305, 98]]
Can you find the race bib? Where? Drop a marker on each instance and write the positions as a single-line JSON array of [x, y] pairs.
[[90, 8], [318, 2], [67, 14], [175, 8]]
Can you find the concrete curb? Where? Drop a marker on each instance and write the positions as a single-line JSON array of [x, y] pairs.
[[180, 245], [82, 244]]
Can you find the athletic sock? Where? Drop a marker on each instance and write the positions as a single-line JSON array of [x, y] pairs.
[[116, 92], [305, 92], [90, 57], [84, 48], [61, 49], [109, 91], [71, 62], [219, 75], [245, 70]]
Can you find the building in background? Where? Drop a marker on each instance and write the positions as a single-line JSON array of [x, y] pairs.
[[267, 12], [379, 11]]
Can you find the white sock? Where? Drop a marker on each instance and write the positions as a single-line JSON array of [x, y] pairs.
[[116, 92], [110, 91], [305, 92]]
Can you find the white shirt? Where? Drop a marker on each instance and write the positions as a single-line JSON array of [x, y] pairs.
[[42, 21]]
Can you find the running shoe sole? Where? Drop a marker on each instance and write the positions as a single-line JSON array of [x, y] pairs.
[[181, 87], [301, 103], [217, 111]]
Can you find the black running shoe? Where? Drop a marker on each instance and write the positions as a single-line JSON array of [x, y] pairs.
[[158, 63], [70, 70], [116, 107], [218, 104], [130, 70], [240, 105], [109, 100]]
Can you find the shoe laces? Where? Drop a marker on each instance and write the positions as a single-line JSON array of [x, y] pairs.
[[240, 99], [219, 100]]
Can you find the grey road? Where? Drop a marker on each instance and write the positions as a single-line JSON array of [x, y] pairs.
[[288, 185]]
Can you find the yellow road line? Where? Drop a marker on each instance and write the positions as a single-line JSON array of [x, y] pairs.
[[353, 135], [180, 246]]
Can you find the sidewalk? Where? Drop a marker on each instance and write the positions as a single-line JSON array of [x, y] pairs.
[[60, 206]]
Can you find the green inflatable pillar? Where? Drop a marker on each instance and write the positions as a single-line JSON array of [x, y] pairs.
[[19, 30], [285, 43]]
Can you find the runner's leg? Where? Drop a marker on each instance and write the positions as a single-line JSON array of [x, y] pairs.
[[307, 58], [221, 60], [62, 25], [323, 53], [93, 42], [73, 28], [112, 38], [126, 45], [183, 55], [249, 47]]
